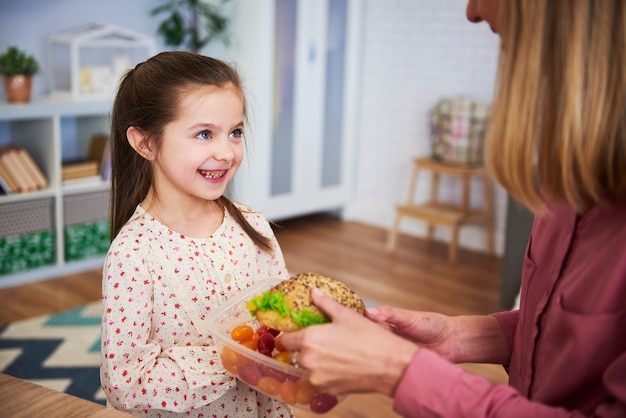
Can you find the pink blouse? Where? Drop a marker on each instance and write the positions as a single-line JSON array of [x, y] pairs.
[[155, 362], [568, 348]]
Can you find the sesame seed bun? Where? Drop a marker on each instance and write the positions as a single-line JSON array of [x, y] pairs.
[[297, 295]]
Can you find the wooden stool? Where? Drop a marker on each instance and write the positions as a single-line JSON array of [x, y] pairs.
[[447, 215]]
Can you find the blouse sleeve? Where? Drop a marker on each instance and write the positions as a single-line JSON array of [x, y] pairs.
[[138, 373], [508, 321], [433, 387]]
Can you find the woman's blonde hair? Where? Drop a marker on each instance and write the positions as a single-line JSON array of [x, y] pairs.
[[558, 120]]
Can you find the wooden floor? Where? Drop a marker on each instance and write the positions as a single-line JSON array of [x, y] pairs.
[[415, 276]]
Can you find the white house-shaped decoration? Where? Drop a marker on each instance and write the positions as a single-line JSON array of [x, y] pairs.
[[86, 62]]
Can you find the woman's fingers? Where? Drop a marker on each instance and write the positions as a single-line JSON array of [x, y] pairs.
[[328, 305], [335, 310]]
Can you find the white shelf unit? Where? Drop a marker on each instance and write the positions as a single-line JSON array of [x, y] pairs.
[[52, 130]]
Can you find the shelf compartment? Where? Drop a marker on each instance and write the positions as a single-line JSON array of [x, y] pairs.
[[27, 238], [36, 136], [86, 225]]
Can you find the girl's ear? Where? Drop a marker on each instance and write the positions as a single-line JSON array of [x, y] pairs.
[[140, 143]]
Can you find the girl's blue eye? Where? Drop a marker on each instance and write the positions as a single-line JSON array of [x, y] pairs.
[[237, 133], [204, 135]]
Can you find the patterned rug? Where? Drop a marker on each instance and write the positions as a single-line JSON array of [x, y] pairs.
[[60, 351]]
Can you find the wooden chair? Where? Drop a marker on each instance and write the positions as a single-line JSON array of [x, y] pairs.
[[436, 213]]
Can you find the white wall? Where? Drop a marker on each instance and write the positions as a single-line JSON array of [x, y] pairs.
[[28, 24], [414, 53]]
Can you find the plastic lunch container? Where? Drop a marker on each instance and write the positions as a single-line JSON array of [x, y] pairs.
[[275, 378]]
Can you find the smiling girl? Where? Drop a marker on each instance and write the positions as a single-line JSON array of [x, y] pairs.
[[180, 246]]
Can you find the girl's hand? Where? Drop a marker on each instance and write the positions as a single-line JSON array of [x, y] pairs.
[[352, 353]]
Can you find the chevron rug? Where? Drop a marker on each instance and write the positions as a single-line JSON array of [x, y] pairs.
[[59, 351]]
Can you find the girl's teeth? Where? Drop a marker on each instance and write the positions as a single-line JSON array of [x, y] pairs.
[[212, 175]]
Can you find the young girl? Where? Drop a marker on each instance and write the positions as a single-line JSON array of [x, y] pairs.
[[180, 247]]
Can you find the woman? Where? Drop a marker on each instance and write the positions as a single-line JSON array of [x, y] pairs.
[[557, 143]]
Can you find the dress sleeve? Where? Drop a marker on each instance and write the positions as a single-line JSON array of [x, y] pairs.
[[433, 387], [137, 372], [273, 264], [276, 264]]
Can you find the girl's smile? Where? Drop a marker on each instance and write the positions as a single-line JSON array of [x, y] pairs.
[[202, 149]]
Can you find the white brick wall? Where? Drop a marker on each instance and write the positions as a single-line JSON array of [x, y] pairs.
[[414, 54]]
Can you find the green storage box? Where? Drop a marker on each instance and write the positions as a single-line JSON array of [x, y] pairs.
[[86, 225], [86, 240], [27, 239]]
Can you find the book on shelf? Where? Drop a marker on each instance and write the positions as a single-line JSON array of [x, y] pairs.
[[22, 172], [97, 146], [33, 170], [79, 170], [7, 183], [95, 167], [100, 150], [21, 186], [19, 171], [82, 182]]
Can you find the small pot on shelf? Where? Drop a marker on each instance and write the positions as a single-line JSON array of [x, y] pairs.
[[18, 88], [18, 70]]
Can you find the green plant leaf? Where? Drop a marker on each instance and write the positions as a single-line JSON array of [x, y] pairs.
[[193, 23], [15, 61], [173, 30]]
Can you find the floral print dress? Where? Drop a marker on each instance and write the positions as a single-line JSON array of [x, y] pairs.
[[155, 362]]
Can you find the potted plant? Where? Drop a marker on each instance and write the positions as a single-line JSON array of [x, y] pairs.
[[18, 69], [192, 24]]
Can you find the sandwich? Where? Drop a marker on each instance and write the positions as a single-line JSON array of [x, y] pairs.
[[288, 306]]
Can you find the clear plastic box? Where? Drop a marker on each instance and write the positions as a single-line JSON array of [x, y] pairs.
[[275, 378]]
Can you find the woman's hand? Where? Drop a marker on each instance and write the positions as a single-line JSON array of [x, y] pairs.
[[459, 339], [352, 353], [431, 330]]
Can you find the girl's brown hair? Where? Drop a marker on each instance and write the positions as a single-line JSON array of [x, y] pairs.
[[147, 100], [558, 119]]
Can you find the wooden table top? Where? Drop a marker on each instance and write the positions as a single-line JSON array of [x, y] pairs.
[[22, 399]]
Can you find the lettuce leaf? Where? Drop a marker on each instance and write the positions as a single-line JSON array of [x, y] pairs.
[[276, 302]]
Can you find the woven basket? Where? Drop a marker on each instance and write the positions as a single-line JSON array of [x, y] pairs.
[[457, 127]]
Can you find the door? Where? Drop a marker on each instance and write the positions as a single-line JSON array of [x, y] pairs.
[[304, 162]]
